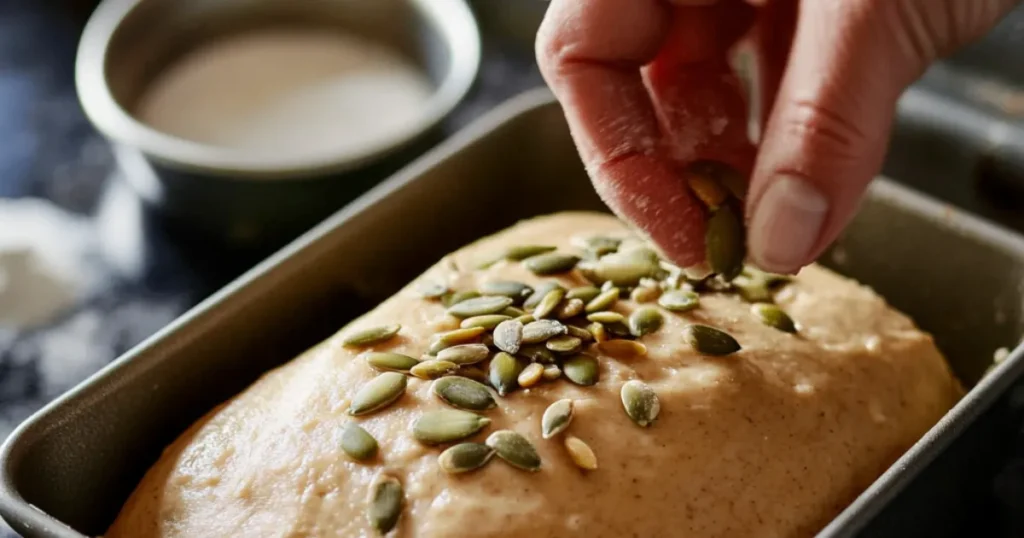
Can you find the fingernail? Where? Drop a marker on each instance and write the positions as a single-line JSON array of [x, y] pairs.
[[786, 224]]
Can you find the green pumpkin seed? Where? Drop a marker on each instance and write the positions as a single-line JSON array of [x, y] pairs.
[[551, 263], [503, 372], [447, 425], [583, 293], [465, 457], [513, 312], [644, 321], [710, 341], [603, 301], [357, 442], [474, 372], [723, 174], [377, 393], [581, 453], [385, 504], [508, 336], [432, 290], [641, 402], [516, 291], [606, 317], [537, 353], [618, 329], [598, 331], [464, 354], [707, 188], [539, 292], [389, 362], [725, 240], [644, 294], [752, 290], [479, 306], [458, 297], [622, 349], [599, 245], [552, 372], [542, 329], [371, 335], [581, 369], [556, 418], [526, 318], [564, 344], [485, 322], [549, 303], [679, 301], [522, 252], [569, 308], [515, 449], [577, 332], [463, 393], [530, 375], [433, 369], [455, 337], [621, 269], [773, 316]]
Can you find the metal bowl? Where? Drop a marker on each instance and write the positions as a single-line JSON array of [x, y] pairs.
[[247, 195]]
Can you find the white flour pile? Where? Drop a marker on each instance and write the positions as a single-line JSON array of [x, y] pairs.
[[288, 91]]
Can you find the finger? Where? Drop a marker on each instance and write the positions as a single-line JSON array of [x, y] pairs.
[[773, 39]]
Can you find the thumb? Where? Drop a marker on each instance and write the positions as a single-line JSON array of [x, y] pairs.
[[827, 133]]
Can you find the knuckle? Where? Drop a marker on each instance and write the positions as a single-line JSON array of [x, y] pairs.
[[831, 132]]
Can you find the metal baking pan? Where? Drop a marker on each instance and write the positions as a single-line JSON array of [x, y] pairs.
[[67, 470]]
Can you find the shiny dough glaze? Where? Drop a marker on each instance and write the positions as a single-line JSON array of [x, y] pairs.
[[772, 441]]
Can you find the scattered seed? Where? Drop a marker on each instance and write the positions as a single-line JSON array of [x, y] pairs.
[[552, 372], [479, 306], [606, 317], [503, 372], [463, 393], [641, 402], [752, 290], [515, 449], [539, 292], [598, 331], [556, 418], [679, 301], [526, 318], [357, 442], [433, 369], [551, 263], [447, 425], [622, 349], [577, 332], [377, 393], [537, 353], [513, 312], [460, 336], [710, 341], [371, 335], [465, 457], [464, 354], [598, 245], [385, 503], [530, 375], [622, 269], [725, 240], [542, 329], [474, 372], [517, 291], [460, 296], [603, 301], [485, 322], [645, 294], [773, 316], [564, 344], [581, 369], [432, 290], [549, 303], [522, 252], [618, 329], [508, 336], [389, 362], [569, 308], [581, 453], [645, 320], [583, 293]]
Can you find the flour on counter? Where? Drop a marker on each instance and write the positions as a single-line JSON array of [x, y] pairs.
[[287, 91]]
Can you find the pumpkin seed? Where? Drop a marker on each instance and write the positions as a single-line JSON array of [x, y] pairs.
[[583, 293], [549, 303], [515, 449], [622, 349], [556, 418], [564, 344], [618, 329], [377, 393], [508, 336], [622, 269], [433, 369], [710, 341], [603, 301], [385, 506], [504, 372], [488, 321], [522, 252], [542, 329], [526, 318], [773, 316], [752, 290], [725, 242], [464, 354], [539, 292], [530, 375], [479, 306], [581, 453], [606, 317], [577, 332], [516, 291], [551, 263], [581, 369], [456, 337], [474, 372], [598, 331], [598, 244], [371, 335], [723, 174], [537, 353], [569, 308], [432, 290], [679, 301], [463, 393], [641, 402], [459, 297], [447, 425], [357, 442], [644, 294], [513, 312], [465, 457], [707, 189], [644, 321], [552, 372], [389, 362]]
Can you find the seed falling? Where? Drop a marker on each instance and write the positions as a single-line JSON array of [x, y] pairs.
[[569, 308], [371, 335], [508, 336], [465, 457], [725, 242], [433, 369], [377, 393], [542, 329], [539, 293], [679, 300], [385, 503], [479, 306], [564, 344], [552, 372], [516, 291], [389, 362], [640, 402], [710, 341], [551, 263], [485, 322], [464, 354], [556, 418], [581, 369], [504, 372], [580, 453], [357, 442], [547, 305], [583, 293], [447, 425], [604, 301], [645, 320], [622, 349], [606, 317], [515, 449], [531, 375], [773, 316], [431, 290], [463, 393], [522, 252]]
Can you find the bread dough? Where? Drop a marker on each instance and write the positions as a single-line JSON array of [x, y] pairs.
[[771, 441]]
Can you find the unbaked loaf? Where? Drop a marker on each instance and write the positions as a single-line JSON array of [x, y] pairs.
[[772, 440]]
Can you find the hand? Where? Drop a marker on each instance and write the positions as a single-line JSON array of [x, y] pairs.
[[647, 89]]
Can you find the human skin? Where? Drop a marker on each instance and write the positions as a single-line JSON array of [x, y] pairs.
[[647, 88]]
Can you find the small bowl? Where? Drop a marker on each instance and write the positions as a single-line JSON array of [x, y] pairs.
[[257, 196]]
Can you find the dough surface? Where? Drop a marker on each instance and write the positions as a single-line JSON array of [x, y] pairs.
[[772, 441]]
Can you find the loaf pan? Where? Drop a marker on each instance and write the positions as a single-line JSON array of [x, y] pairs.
[[67, 470]]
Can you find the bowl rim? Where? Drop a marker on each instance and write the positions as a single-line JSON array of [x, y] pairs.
[[452, 20]]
